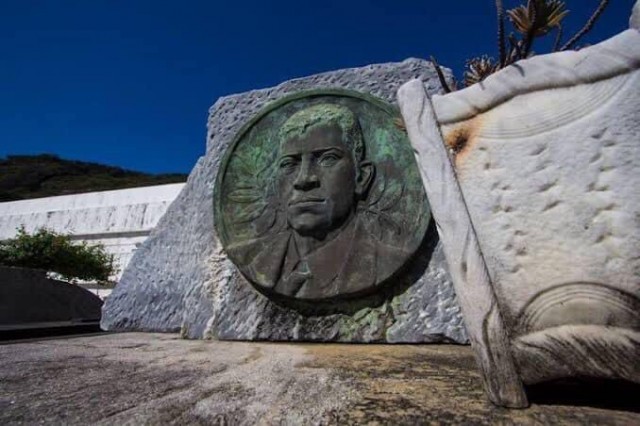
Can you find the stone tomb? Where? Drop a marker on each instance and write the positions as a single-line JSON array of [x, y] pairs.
[[322, 227]]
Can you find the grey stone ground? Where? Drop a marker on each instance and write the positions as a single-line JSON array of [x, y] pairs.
[[138, 378]]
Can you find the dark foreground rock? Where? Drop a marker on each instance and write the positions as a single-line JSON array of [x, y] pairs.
[[29, 299], [137, 378], [182, 280]]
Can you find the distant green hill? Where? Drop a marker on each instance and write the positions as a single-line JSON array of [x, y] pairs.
[[46, 175]]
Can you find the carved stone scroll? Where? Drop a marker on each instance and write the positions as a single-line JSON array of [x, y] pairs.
[[467, 267], [533, 177]]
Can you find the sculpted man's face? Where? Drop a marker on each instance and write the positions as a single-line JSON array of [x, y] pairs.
[[317, 180]]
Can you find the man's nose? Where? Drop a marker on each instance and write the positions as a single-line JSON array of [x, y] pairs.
[[306, 178]]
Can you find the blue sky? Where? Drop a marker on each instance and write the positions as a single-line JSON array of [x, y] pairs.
[[129, 82]]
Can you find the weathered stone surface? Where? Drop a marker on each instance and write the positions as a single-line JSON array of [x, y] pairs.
[[181, 279], [151, 379], [540, 219]]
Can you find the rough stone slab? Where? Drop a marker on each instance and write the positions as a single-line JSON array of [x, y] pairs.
[[137, 378], [181, 279], [230, 113]]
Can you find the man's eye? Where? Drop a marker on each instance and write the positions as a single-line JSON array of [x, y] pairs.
[[328, 160], [288, 165]]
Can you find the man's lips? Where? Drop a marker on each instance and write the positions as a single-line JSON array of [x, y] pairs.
[[307, 200]]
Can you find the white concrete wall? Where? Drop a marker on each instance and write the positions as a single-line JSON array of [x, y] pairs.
[[120, 220]]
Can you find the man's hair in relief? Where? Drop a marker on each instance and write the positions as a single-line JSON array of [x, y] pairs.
[[303, 121]]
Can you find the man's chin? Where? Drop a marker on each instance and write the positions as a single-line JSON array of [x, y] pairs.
[[309, 226]]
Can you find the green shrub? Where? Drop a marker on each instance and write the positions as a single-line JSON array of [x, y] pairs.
[[55, 252]]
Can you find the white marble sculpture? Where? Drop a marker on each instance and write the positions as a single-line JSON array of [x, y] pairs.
[[533, 177]]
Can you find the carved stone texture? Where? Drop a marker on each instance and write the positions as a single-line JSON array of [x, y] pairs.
[[544, 162], [319, 197], [182, 279]]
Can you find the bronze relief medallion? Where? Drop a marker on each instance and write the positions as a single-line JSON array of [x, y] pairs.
[[319, 197]]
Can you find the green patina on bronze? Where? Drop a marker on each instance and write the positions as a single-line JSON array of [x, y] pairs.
[[319, 197]]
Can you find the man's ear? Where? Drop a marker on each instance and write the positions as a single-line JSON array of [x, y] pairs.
[[364, 179]]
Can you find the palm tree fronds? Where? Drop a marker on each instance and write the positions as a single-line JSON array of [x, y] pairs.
[[501, 41], [556, 44], [479, 68], [443, 81], [588, 26], [530, 20], [538, 17]]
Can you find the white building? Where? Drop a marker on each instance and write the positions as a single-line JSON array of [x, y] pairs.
[[120, 220]]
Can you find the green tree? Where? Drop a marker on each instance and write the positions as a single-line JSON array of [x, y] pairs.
[[53, 252]]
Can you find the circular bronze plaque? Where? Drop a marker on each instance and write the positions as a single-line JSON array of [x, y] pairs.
[[319, 197]]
